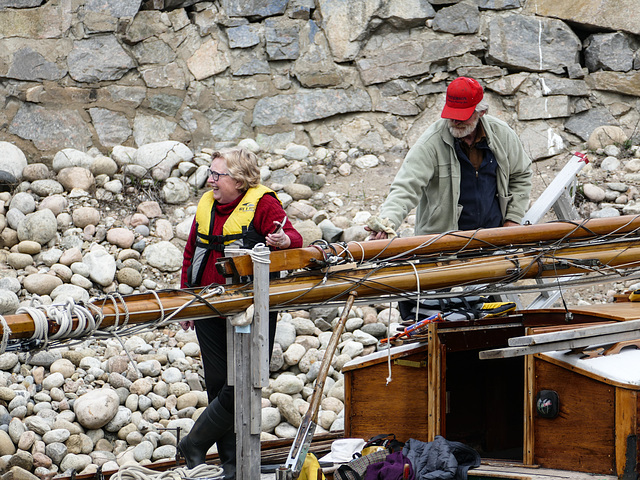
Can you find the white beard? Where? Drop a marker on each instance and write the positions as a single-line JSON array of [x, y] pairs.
[[461, 131]]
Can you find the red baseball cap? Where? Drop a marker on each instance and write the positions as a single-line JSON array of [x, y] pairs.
[[463, 94]]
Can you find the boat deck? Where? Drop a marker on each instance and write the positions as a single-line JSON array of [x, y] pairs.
[[499, 470]]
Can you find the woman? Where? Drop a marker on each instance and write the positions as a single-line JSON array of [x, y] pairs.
[[237, 210]]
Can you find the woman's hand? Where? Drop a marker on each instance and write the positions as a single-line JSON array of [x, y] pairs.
[[188, 324], [278, 239]]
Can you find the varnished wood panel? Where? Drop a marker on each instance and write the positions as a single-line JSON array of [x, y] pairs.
[[373, 407], [626, 431], [582, 436]]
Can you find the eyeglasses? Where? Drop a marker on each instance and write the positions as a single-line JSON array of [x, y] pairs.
[[215, 175]]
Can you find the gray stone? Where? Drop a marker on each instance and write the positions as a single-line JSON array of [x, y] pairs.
[[541, 140], [532, 43], [146, 24], [153, 50], [162, 157], [45, 188], [24, 202], [115, 8], [606, 135], [401, 57], [617, 82], [282, 40], [112, 127], [605, 212], [170, 75], [70, 157], [27, 64], [40, 226], [229, 89], [176, 191], [552, 85], [605, 14], [167, 104], [208, 60], [345, 35], [584, 123], [164, 256], [499, 4], [531, 108], [99, 58], [244, 36], [461, 18], [51, 20], [50, 129], [252, 66], [19, 3], [12, 160], [309, 105], [56, 452], [152, 129], [77, 294], [285, 334], [254, 8], [102, 266], [609, 51], [226, 125], [9, 302]]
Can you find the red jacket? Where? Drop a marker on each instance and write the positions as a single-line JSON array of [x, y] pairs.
[[268, 210]]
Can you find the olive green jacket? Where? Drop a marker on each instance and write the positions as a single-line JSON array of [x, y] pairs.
[[429, 178]]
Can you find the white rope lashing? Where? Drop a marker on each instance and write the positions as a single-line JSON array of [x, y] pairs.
[[62, 314]]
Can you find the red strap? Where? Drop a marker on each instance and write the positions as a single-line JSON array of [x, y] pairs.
[[583, 156]]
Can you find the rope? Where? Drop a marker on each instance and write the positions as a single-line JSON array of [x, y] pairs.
[[62, 315], [260, 257], [134, 471], [389, 348], [6, 332]]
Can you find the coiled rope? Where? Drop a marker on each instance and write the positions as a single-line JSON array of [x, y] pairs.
[[6, 332], [134, 471], [62, 314]]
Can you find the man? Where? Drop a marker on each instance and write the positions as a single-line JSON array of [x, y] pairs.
[[467, 171]]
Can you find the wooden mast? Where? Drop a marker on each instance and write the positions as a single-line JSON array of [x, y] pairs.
[[369, 282], [488, 239]]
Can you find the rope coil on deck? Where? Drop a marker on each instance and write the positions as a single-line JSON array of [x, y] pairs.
[[134, 471]]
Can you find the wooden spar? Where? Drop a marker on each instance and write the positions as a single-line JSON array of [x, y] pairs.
[[370, 282], [489, 238]]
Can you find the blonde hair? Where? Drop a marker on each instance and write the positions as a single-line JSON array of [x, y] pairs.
[[242, 165]]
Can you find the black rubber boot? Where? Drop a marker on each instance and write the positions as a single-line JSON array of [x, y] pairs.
[[209, 428], [227, 453]]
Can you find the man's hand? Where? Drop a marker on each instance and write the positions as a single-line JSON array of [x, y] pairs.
[[188, 324], [510, 223], [376, 235]]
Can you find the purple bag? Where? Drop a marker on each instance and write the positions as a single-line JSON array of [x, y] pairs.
[[392, 468]]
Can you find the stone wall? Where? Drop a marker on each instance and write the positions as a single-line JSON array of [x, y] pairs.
[[365, 74]]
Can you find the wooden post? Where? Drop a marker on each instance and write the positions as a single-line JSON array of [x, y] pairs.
[[251, 344], [434, 385], [529, 400]]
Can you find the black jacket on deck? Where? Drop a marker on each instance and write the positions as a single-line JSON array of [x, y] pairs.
[[441, 459]]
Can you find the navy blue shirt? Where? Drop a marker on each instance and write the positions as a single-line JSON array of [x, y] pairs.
[[478, 189]]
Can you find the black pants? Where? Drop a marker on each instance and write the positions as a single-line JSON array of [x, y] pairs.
[[212, 337]]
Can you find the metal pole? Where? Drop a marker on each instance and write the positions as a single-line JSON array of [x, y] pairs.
[[251, 344]]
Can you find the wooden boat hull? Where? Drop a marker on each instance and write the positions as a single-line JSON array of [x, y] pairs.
[[445, 389]]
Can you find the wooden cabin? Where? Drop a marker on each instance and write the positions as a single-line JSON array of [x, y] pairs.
[[442, 387]]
